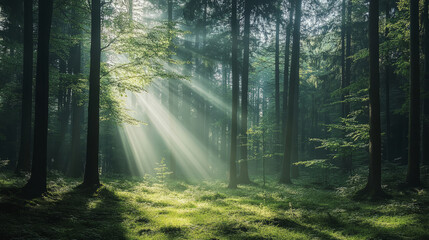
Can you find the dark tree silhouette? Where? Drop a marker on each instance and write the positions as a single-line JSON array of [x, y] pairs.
[[286, 66], [388, 76], [24, 158], [373, 186], [243, 177], [413, 173], [37, 183], [425, 135], [75, 166], [277, 65], [91, 176], [293, 96]]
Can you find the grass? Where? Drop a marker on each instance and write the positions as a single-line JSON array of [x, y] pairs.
[[141, 208]]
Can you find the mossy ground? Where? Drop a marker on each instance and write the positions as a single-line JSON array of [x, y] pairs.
[[137, 208]]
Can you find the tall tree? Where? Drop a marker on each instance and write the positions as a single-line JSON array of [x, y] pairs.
[[293, 96], [36, 185], [373, 186], [425, 138], [348, 61], [24, 158], [235, 83], [413, 173], [277, 65], [347, 160], [75, 166], [388, 74], [286, 65], [91, 176], [343, 53], [243, 177], [171, 95]]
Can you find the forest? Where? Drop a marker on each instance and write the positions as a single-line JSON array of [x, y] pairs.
[[214, 119]]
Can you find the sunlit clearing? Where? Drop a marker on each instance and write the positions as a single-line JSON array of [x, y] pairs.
[[163, 135]]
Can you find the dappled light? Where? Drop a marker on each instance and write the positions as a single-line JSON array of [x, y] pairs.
[[214, 119]]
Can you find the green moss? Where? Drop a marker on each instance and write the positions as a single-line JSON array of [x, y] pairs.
[[132, 208]]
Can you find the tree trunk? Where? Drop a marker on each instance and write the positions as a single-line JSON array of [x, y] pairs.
[[347, 77], [293, 97], [235, 85], [286, 66], [387, 87], [277, 67], [91, 176], [425, 138], [413, 173], [75, 163], [243, 178], [373, 186], [64, 94], [24, 158], [172, 99], [37, 183], [343, 55]]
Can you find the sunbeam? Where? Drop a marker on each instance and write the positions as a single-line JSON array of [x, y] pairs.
[[193, 158]]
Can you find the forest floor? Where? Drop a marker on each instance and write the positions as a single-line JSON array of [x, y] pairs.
[[144, 208]]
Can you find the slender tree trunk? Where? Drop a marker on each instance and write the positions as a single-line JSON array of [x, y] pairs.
[[172, 98], [348, 63], [293, 96], [243, 178], [413, 173], [24, 158], [223, 149], [206, 85], [91, 176], [37, 183], [388, 75], [75, 163], [425, 139], [235, 86], [343, 55], [277, 67], [373, 187], [64, 94], [286, 66], [347, 75]]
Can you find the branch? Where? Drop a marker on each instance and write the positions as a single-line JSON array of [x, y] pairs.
[[110, 43]]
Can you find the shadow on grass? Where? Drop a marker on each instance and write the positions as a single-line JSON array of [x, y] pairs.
[[76, 214]]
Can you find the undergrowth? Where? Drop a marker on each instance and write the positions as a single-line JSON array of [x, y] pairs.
[[144, 208]]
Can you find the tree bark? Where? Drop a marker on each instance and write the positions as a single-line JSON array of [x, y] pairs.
[[75, 163], [243, 177], [388, 75], [172, 91], [24, 158], [285, 176], [91, 176], [37, 183], [425, 138], [286, 66], [373, 186], [413, 173], [235, 85], [277, 67]]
